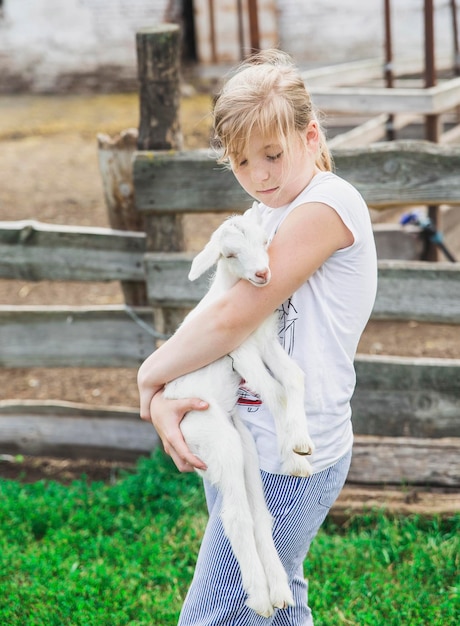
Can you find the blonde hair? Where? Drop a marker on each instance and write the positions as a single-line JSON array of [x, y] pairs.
[[266, 94]]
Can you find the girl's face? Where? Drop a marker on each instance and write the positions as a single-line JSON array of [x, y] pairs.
[[269, 175]]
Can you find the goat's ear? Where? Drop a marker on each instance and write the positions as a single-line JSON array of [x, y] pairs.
[[204, 260], [256, 215]]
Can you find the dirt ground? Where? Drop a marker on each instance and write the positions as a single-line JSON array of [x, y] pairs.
[[49, 172]]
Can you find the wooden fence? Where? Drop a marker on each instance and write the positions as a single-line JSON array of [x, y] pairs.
[[406, 410]]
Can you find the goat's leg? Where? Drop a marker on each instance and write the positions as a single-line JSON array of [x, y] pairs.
[[292, 428], [247, 361], [280, 592], [283, 396], [217, 442]]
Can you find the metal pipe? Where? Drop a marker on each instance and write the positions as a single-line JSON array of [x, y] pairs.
[[388, 67], [432, 122], [453, 6], [432, 129], [388, 45], [430, 71], [239, 8], [254, 25], [212, 30]]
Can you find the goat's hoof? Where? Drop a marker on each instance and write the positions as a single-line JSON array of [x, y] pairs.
[[282, 600], [303, 452], [303, 448], [298, 465], [266, 610]]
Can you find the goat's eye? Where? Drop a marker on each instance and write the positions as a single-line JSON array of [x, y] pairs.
[[230, 255]]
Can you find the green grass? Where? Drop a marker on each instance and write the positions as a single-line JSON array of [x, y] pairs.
[[123, 555]]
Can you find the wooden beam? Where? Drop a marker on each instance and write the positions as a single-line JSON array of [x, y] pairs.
[[34, 251], [180, 182], [393, 173], [405, 460], [406, 289], [409, 290], [354, 73], [371, 131], [402, 173], [71, 430], [375, 100], [158, 67], [348, 73], [104, 336], [451, 136], [31, 250], [356, 500], [395, 242], [406, 397]]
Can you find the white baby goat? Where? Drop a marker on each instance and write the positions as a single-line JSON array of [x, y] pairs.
[[217, 435]]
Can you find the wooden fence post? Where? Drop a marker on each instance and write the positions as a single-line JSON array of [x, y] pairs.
[[115, 164], [158, 60]]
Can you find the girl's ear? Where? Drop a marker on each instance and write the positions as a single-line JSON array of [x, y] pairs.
[[312, 134], [204, 260]]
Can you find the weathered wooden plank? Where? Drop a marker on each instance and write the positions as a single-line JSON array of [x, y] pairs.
[[115, 155], [374, 100], [451, 136], [406, 289], [158, 67], [31, 250], [167, 280], [387, 174], [394, 242], [401, 396], [402, 173], [93, 256], [185, 182], [355, 73], [357, 499], [348, 73], [51, 336], [72, 430], [418, 291], [404, 460], [369, 132]]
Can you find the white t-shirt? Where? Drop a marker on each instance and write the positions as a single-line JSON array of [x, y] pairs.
[[320, 326]]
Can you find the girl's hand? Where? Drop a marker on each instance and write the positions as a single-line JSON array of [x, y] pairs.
[[166, 416]]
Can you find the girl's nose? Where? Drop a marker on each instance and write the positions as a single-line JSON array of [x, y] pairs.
[[259, 174]]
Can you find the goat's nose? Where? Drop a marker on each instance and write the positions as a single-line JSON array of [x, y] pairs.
[[263, 274]]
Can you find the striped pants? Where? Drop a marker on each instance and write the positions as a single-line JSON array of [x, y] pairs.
[[299, 507]]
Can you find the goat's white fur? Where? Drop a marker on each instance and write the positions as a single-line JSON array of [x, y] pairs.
[[217, 435]]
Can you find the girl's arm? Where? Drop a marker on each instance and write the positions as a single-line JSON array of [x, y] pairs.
[[308, 236]]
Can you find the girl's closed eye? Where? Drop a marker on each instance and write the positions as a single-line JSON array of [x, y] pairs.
[[274, 157]]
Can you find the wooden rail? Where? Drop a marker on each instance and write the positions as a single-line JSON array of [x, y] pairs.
[[30, 250], [400, 173], [100, 336]]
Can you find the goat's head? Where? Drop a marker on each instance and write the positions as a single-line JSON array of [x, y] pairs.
[[240, 244]]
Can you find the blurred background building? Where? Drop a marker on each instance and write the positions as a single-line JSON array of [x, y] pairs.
[[57, 47]]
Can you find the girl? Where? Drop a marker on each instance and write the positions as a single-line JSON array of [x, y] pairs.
[[324, 274]]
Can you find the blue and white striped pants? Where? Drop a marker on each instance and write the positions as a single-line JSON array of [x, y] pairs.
[[299, 507]]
